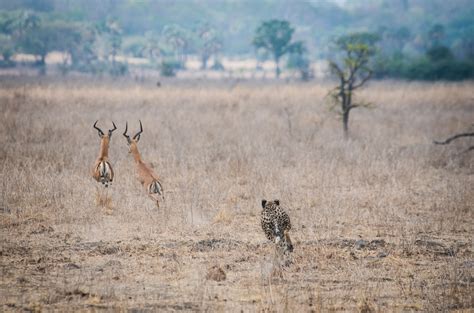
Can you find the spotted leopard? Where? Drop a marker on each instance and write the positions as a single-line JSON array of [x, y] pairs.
[[276, 224]]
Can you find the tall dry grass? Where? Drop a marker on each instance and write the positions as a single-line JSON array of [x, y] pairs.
[[220, 149]]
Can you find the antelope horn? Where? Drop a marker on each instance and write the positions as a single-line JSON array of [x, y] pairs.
[[101, 133], [125, 132], [111, 130], [137, 135]]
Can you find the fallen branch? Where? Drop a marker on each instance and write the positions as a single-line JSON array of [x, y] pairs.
[[447, 141]]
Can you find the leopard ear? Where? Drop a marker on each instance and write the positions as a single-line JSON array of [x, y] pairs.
[[263, 203], [277, 202]]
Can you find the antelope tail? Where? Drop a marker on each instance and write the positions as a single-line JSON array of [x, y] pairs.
[[155, 189], [104, 173]]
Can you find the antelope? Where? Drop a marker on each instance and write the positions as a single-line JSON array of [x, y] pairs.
[[102, 171], [146, 176]]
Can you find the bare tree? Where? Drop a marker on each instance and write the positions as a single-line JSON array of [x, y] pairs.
[[353, 72]]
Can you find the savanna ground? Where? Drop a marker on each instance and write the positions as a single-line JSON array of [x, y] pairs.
[[382, 222]]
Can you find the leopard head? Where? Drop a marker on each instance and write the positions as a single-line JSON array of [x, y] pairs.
[[270, 204]]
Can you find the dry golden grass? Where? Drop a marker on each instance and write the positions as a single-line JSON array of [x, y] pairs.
[[383, 222]]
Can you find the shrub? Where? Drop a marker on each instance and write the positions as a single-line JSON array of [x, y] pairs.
[[217, 66], [168, 68], [118, 69]]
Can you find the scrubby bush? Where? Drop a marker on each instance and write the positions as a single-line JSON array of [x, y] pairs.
[[98, 67], [118, 69], [169, 67], [217, 66]]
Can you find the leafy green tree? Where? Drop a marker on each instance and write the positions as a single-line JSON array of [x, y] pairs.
[[179, 40], [353, 71], [209, 44], [70, 38], [464, 44], [7, 49], [7, 43], [275, 37], [463, 36], [436, 34], [7, 21], [114, 31], [152, 49], [83, 51], [298, 60], [75, 41], [39, 41], [111, 31], [395, 39], [23, 22], [13, 27]]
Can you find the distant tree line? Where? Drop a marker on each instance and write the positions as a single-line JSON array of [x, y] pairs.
[[96, 47], [388, 51], [96, 41], [436, 60]]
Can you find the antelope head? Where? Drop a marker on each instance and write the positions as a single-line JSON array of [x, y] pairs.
[[132, 142], [101, 133], [104, 138]]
